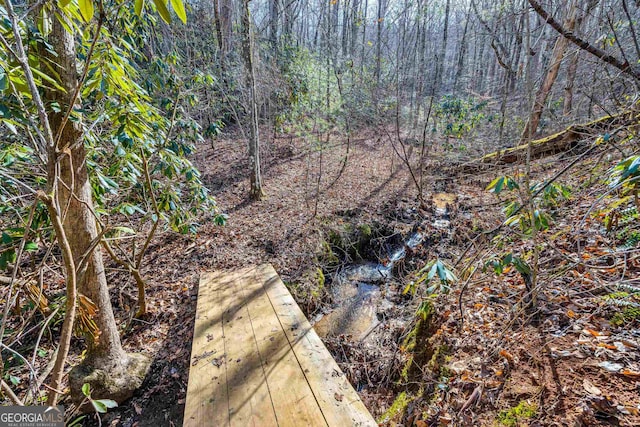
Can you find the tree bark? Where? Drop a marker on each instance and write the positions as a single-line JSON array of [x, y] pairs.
[[256, 192], [274, 18], [443, 49], [68, 180], [462, 53], [572, 70], [219, 35], [552, 74], [380, 24], [624, 66]]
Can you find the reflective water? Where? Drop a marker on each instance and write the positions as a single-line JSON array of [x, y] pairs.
[[356, 288]]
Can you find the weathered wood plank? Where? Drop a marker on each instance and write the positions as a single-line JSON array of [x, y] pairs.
[[207, 401], [292, 398], [338, 401], [249, 399], [256, 360]]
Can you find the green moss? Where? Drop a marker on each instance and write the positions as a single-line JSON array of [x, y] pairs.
[[438, 358], [399, 405], [365, 230], [628, 315], [320, 277], [404, 374], [517, 415], [419, 345], [328, 257]]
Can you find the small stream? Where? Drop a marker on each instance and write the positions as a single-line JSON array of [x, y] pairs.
[[359, 290]]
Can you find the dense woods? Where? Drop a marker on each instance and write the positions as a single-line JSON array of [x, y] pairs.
[[493, 142]]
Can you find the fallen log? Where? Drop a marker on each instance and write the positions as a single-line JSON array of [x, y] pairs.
[[552, 144]]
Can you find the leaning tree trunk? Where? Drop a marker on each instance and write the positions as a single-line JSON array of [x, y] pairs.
[[109, 370], [256, 192], [550, 78]]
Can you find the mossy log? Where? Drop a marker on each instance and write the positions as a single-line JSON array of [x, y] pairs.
[[552, 144]]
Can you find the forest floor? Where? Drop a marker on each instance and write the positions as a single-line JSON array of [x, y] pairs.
[[563, 362]]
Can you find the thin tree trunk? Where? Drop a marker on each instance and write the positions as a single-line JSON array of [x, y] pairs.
[[443, 50], [632, 70], [219, 36], [355, 17], [274, 17], [72, 206], [256, 192], [572, 70], [463, 50], [552, 74], [380, 24]]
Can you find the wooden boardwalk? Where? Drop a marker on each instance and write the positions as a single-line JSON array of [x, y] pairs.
[[256, 360]]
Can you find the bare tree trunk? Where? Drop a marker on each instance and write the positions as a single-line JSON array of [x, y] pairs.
[[107, 368], [443, 49], [364, 37], [380, 25], [632, 70], [219, 35], [274, 17], [355, 18], [226, 24], [572, 70], [345, 27], [463, 50], [256, 192], [552, 74]]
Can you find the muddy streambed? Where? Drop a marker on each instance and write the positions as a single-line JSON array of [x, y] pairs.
[[362, 292]]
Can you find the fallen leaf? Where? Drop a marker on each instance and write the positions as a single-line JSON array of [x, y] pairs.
[[590, 388], [609, 346], [507, 356], [603, 405], [445, 420], [629, 373], [611, 366]]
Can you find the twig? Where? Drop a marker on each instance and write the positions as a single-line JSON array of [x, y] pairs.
[[7, 390]]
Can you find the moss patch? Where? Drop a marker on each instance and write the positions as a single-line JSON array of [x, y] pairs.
[[398, 407], [517, 415], [628, 315]]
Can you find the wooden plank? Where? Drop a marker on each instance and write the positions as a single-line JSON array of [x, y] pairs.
[[291, 395], [249, 399], [207, 389], [338, 401]]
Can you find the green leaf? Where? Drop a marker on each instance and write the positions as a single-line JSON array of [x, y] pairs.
[[496, 185], [3, 79], [161, 5], [48, 79], [99, 406], [432, 272], [6, 239], [138, 6], [125, 230], [86, 9], [178, 8], [102, 405], [86, 389], [31, 247]]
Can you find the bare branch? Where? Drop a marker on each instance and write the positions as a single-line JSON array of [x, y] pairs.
[[624, 66]]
